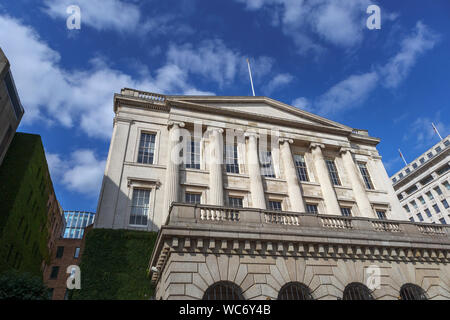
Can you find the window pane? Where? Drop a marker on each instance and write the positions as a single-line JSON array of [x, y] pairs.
[[266, 164], [311, 208], [192, 158], [346, 212], [381, 214], [193, 198], [365, 175], [231, 158], [235, 202], [333, 172], [146, 148], [275, 205], [140, 207], [300, 165]]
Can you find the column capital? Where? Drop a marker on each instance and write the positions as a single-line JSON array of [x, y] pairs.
[[212, 128], [283, 140], [172, 123], [314, 145], [345, 149], [249, 134]]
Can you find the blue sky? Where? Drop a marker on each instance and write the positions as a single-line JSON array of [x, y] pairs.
[[317, 55]]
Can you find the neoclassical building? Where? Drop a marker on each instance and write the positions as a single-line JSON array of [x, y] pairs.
[[423, 186], [256, 199]]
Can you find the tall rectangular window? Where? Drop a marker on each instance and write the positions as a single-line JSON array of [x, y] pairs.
[[446, 185], [428, 212], [406, 208], [419, 216], [445, 203], [192, 159], [346, 212], [231, 158], [59, 252], [311, 208], [77, 253], [414, 204], [381, 214], [430, 195], [193, 198], [438, 190], [146, 148], [332, 170], [140, 207], [54, 273], [12, 92], [300, 165], [266, 164], [275, 205], [422, 200], [436, 208], [235, 202], [365, 175], [442, 221]]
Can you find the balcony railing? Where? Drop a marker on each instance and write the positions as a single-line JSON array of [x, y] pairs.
[[144, 95], [198, 214]]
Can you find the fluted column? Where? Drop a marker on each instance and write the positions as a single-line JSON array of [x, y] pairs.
[[172, 182], [359, 190], [254, 171], [329, 195], [215, 166], [294, 189]]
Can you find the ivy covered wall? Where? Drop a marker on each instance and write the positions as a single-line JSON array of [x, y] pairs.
[[24, 192], [114, 265]]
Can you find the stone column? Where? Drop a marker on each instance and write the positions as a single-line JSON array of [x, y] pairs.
[[172, 181], [294, 189], [215, 166], [358, 186], [329, 195], [254, 171]]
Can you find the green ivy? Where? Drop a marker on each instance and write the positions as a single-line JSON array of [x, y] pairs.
[[22, 286], [24, 191], [114, 265]]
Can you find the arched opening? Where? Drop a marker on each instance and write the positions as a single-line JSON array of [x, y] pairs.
[[411, 291], [357, 291], [223, 290], [295, 291]]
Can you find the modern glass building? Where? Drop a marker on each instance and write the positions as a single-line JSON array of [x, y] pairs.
[[76, 222]]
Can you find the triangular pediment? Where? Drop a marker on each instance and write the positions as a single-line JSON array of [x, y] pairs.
[[260, 107]]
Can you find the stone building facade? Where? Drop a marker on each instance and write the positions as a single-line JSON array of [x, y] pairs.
[[423, 186], [11, 110], [259, 194]]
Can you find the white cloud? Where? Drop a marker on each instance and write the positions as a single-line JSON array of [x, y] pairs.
[[353, 91], [346, 94], [399, 66], [99, 14], [52, 93], [276, 82], [340, 23], [301, 103], [422, 134], [81, 172]]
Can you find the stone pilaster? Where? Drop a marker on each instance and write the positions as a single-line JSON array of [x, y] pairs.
[[215, 160], [254, 170], [172, 181], [359, 190], [328, 193], [294, 189]]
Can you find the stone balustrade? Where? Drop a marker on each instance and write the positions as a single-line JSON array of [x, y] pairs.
[[144, 95], [201, 214]]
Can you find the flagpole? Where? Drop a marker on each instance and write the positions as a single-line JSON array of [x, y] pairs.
[[401, 155], [436, 130], [250, 73]]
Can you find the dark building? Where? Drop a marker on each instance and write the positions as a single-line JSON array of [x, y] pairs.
[[31, 218], [11, 110]]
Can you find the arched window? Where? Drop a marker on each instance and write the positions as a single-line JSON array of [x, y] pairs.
[[223, 290], [357, 291], [295, 291], [411, 291]]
